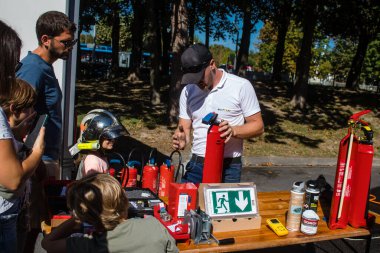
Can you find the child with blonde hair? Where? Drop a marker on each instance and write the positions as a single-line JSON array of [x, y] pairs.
[[99, 200]]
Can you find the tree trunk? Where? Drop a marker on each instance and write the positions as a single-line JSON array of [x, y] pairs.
[[165, 34], [357, 62], [192, 18], [179, 42], [299, 99], [207, 24], [137, 38], [283, 25], [154, 45], [115, 35], [242, 57]]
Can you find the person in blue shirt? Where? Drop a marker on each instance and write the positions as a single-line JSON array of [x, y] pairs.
[[55, 34]]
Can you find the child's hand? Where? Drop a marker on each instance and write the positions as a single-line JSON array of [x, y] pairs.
[[22, 129], [39, 145]]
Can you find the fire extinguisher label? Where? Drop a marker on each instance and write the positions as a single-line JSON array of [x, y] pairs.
[[182, 204]]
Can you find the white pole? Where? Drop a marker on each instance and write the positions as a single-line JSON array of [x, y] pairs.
[[346, 168]]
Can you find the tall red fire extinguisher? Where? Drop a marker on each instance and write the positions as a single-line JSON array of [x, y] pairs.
[[361, 178], [213, 163], [150, 174], [349, 163]]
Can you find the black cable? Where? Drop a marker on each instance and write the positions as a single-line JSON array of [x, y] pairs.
[[180, 165]]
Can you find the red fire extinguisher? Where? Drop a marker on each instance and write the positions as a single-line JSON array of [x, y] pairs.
[[150, 174], [167, 171], [361, 179], [213, 164], [126, 174], [129, 174], [166, 177], [345, 184]]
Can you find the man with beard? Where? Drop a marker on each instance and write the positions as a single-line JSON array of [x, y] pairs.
[[55, 34]]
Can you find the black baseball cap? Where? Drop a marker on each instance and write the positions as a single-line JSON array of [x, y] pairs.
[[194, 61]]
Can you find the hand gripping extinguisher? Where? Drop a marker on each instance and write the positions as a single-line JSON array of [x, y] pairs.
[[150, 173], [344, 181], [213, 163], [167, 171]]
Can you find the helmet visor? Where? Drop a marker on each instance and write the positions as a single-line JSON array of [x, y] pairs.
[[113, 132]]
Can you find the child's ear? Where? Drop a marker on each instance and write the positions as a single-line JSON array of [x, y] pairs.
[[13, 110]]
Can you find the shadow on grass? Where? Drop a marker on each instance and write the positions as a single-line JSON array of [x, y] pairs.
[[130, 100], [328, 107]]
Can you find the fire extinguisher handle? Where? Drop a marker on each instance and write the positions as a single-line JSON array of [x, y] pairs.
[[152, 154], [356, 116]]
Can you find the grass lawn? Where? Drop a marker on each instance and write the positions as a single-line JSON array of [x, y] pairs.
[[315, 132]]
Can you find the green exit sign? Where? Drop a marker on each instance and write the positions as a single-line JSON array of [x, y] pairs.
[[231, 201]]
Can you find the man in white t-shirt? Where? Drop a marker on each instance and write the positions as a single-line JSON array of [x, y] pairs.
[[209, 89]]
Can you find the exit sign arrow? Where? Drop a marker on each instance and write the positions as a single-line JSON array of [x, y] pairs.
[[241, 202]]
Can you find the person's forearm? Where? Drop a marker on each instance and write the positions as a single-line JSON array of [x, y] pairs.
[[30, 164], [62, 231], [56, 240], [248, 130]]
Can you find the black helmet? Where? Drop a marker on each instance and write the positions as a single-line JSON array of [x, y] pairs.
[[100, 124]]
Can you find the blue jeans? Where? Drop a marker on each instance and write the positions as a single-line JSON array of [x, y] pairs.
[[8, 230], [231, 171]]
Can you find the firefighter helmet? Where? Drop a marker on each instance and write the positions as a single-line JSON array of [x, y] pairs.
[[100, 124]]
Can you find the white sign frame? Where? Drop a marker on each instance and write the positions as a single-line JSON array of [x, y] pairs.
[[218, 190]]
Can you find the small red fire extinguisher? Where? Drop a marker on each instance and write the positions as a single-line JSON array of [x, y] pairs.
[[129, 174], [133, 168], [213, 164], [150, 174], [167, 171], [166, 177]]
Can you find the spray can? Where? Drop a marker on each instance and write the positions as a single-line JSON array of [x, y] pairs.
[[312, 196], [297, 194], [309, 222]]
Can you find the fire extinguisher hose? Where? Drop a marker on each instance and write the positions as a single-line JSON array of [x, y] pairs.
[[180, 166], [123, 166]]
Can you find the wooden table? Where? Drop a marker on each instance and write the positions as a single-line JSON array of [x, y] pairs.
[[274, 205]]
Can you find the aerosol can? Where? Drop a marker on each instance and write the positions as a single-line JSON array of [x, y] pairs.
[[213, 164], [297, 196]]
